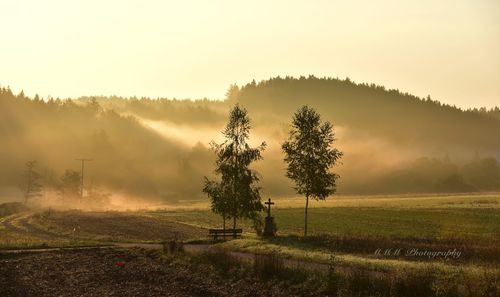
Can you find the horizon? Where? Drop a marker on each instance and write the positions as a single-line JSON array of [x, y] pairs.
[[197, 50], [100, 96]]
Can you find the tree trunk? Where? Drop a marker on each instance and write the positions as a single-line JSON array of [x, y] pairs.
[[234, 227], [305, 221]]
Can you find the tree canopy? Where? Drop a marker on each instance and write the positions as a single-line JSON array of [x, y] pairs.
[[310, 156], [237, 194]]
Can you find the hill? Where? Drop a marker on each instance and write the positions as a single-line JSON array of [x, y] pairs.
[[157, 149], [391, 114]]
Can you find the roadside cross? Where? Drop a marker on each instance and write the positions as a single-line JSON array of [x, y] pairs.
[[269, 207]]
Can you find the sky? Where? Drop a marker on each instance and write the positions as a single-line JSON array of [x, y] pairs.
[[448, 49]]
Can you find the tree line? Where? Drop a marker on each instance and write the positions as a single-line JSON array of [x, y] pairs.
[[69, 188], [375, 126], [395, 115]]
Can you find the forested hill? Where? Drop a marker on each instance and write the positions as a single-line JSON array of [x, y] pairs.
[[375, 109], [392, 142]]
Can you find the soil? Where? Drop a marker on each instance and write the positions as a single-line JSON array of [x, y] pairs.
[[121, 226], [108, 226], [97, 272]]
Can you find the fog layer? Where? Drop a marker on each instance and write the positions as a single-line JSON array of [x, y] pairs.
[[158, 150]]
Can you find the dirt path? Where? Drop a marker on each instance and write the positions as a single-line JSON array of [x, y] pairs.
[[9, 226], [20, 223]]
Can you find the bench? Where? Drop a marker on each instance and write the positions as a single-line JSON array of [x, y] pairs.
[[215, 233]]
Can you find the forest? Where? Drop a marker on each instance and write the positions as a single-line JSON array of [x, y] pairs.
[[158, 148]]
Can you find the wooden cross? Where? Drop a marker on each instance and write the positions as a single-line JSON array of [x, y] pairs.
[[269, 207]]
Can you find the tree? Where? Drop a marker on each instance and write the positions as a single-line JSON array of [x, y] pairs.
[[93, 106], [32, 187], [454, 183], [310, 156], [232, 93], [236, 195], [219, 200]]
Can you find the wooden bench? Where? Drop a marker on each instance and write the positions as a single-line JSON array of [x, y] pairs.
[[215, 233]]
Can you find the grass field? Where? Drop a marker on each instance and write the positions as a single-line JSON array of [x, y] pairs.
[[447, 217], [353, 228], [419, 223], [437, 217]]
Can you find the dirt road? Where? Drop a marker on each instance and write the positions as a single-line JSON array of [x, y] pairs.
[[20, 223]]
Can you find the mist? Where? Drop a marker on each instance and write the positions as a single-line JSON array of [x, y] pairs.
[[155, 152]]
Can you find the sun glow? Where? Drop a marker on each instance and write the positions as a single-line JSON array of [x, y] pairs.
[[197, 49]]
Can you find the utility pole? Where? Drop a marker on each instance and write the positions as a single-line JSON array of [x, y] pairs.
[[83, 166]]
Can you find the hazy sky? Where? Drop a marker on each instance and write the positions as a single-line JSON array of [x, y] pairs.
[[448, 49]]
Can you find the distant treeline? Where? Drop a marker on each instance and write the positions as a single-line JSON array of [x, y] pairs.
[[428, 175], [127, 156], [392, 114], [393, 142]]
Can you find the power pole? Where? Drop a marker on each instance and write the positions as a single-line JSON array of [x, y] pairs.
[[83, 166]]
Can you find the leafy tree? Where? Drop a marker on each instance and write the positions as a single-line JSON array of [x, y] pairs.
[[236, 195], [219, 200], [309, 156], [32, 187]]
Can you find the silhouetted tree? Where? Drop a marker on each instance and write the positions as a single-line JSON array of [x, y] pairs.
[[32, 186], [309, 156], [237, 190]]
